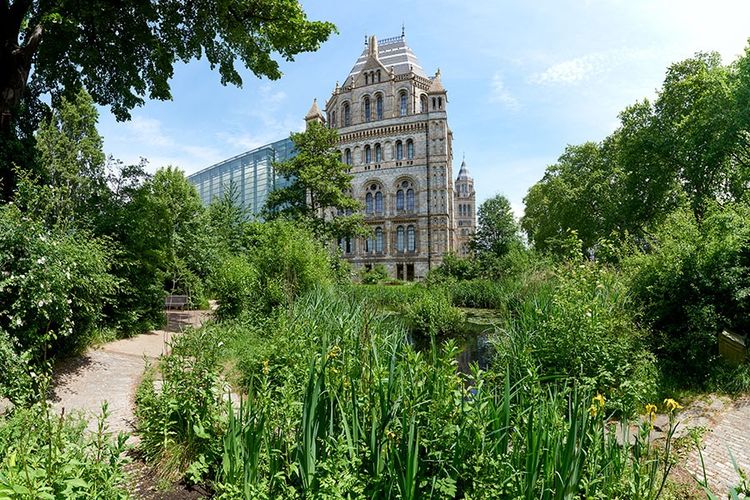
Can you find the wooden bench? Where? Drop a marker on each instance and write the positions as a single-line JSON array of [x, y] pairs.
[[176, 301]]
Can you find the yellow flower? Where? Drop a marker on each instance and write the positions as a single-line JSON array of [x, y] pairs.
[[334, 352], [651, 412], [599, 400], [672, 405], [593, 410], [390, 434], [266, 369]]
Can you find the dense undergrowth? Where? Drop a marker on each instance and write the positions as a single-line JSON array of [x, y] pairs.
[[338, 404]]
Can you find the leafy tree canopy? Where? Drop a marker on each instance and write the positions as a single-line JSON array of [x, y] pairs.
[[497, 230], [319, 193]]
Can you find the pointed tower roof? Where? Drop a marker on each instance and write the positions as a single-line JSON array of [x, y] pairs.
[[314, 113], [391, 53], [437, 85], [463, 173]]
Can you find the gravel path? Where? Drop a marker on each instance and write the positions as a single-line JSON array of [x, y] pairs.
[[112, 372]]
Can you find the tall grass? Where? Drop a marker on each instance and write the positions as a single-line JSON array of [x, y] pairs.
[[357, 412]]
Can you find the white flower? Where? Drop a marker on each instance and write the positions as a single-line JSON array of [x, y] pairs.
[[41, 260]]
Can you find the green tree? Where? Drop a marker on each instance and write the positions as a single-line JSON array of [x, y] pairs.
[[697, 123], [72, 189], [123, 52], [497, 230], [318, 195]]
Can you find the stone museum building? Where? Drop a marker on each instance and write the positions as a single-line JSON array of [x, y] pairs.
[[392, 120]]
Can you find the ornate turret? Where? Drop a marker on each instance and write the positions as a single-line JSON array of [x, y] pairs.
[[464, 201], [437, 94], [314, 115]]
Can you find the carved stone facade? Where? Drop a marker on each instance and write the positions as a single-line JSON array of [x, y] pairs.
[[464, 203], [393, 126]]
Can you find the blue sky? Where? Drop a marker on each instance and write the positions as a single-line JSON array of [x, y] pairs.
[[524, 79]]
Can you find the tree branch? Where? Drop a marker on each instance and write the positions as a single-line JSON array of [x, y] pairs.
[[16, 13]]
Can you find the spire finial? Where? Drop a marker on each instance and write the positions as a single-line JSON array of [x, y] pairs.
[[403, 30], [365, 39]]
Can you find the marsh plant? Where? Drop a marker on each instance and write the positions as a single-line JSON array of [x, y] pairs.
[[338, 404]]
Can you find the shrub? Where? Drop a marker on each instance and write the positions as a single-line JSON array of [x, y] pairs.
[[581, 326], [236, 287], [375, 275], [476, 293], [692, 283], [433, 314], [53, 284]]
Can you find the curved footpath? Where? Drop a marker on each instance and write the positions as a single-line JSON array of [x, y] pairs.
[[112, 372]]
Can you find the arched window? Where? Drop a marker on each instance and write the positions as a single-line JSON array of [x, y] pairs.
[[378, 153], [368, 154], [409, 200], [379, 240], [423, 104], [367, 108], [411, 239], [348, 156], [368, 203], [400, 238], [333, 119], [434, 103], [378, 76], [402, 101], [368, 244], [347, 115], [440, 103], [409, 149], [379, 202], [400, 199], [399, 150], [379, 105], [366, 77]]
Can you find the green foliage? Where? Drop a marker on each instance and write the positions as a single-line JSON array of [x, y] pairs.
[[497, 232], [432, 314], [54, 285], [692, 284], [454, 268], [339, 404], [375, 275], [45, 456], [71, 45], [580, 325], [180, 415], [236, 287], [480, 293], [688, 148], [320, 186]]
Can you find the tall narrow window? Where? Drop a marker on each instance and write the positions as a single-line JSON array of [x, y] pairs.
[[368, 245], [378, 76], [399, 150], [402, 99], [347, 115], [379, 240], [333, 119], [378, 153], [409, 200], [379, 105], [378, 202], [368, 154], [367, 109], [440, 103], [423, 104], [410, 149], [411, 239], [400, 238], [400, 199], [368, 203], [348, 156]]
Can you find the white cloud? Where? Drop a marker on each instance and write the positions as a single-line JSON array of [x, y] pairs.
[[500, 94], [570, 72]]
